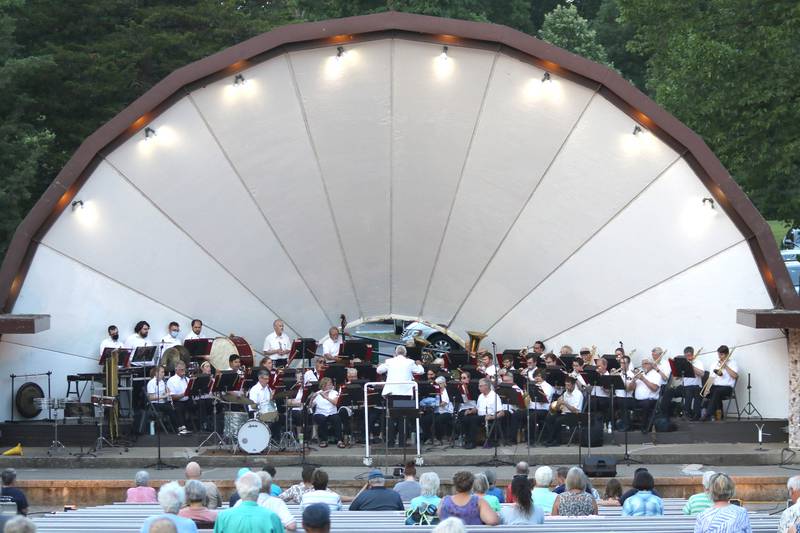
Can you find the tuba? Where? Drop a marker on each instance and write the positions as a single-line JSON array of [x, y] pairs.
[[475, 338], [426, 355]]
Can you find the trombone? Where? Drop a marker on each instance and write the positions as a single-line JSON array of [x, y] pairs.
[[718, 372]]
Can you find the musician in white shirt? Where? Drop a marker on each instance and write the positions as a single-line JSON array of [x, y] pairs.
[[139, 336], [662, 365], [692, 402], [400, 373], [646, 390], [724, 384], [435, 423], [326, 413], [331, 345], [624, 401], [158, 394], [112, 341], [197, 328], [569, 407], [176, 386], [277, 345], [600, 397], [171, 338], [514, 415], [538, 410], [486, 364], [261, 394], [486, 410]]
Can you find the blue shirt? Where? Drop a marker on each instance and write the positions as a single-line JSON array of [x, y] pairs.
[[424, 500], [728, 519], [377, 499], [498, 493], [544, 498], [183, 525], [248, 517], [643, 503]]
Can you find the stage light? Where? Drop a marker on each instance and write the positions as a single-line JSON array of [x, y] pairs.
[[340, 53], [443, 55], [85, 213], [149, 132], [546, 77], [443, 64], [77, 204], [710, 201], [238, 80], [544, 89], [637, 130]]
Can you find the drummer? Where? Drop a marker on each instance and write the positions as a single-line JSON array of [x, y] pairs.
[[277, 344], [171, 338], [260, 393], [197, 328], [176, 385], [331, 345]]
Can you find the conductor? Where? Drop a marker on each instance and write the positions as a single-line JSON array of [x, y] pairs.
[[398, 369]]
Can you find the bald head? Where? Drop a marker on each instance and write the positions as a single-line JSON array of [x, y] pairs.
[[193, 471]]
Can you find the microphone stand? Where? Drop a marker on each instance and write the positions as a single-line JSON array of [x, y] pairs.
[[159, 464], [495, 461]]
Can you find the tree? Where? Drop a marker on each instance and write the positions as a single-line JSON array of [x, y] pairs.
[[565, 28], [614, 34]]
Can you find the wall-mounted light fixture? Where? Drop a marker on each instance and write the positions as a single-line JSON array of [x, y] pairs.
[[637, 130], [149, 132], [77, 204], [546, 77], [339, 52], [238, 79], [443, 55], [710, 201]]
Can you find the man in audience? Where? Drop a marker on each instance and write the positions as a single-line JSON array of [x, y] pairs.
[[698, 503], [275, 490], [321, 493], [9, 477], [248, 516], [162, 525], [214, 499], [171, 498], [521, 470], [19, 524], [493, 489], [792, 514], [374, 496], [631, 492], [561, 479], [294, 494], [197, 511], [273, 503], [317, 518], [409, 488]]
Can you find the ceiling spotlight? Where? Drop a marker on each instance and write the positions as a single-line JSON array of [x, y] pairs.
[[443, 55], [710, 201], [77, 204], [238, 79], [546, 77], [637, 130], [149, 132]]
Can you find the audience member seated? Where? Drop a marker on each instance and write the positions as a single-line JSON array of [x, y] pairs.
[[409, 488], [9, 477], [561, 479], [374, 496], [575, 501], [630, 492], [197, 511], [612, 494], [723, 517], [142, 492], [317, 518], [273, 503], [429, 485], [522, 512], [494, 490], [248, 516], [19, 524], [471, 509], [235, 495], [162, 525], [321, 494], [644, 502], [699, 502], [450, 525], [522, 470], [479, 488], [171, 497], [542, 495], [213, 497], [791, 515], [275, 490], [294, 494]]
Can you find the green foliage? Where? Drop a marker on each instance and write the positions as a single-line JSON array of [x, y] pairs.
[[566, 28], [614, 34]]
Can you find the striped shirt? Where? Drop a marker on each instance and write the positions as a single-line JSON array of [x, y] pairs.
[[727, 519], [697, 504]]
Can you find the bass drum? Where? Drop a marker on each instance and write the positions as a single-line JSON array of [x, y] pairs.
[[223, 347], [253, 437], [25, 399]]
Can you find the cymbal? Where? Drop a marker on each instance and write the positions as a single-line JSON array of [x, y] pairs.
[[241, 400]]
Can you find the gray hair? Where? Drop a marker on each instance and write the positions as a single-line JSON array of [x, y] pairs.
[[481, 484], [658, 350], [793, 483], [248, 486], [400, 350], [490, 476], [576, 479], [450, 525], [522, 468], [162, 525], [195, 491], [142, 478], [266, 481], [543, 476], [722, 488], [429, 484], [171, 497], [485, 381], [20, 524], [708, 475], [8, 476]]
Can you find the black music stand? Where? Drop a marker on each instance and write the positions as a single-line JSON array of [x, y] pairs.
[[590, 376], [555, 377], [428, 390], [144, 355], [619, 384], [366, 372], [123, 356], [536, 395], [611, 362], [337, 373], [226, 381], [458, 359], [159, 464], [198, 347], [354, 349], [568, 360]]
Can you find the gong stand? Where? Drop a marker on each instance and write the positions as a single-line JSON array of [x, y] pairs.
[[25, 376]]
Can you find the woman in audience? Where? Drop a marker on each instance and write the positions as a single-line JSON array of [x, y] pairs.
[[699, 502], [429, 483], [723, 517], [450, 525], [321, 493], [480, 486], [142, 492], [542, 495], [171, 497], [471, 509], [196, 496], [613, 494], [644, 502], [575, 501], [522, 512]]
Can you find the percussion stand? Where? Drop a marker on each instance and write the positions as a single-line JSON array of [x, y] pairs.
[[214, 434], [56, 446], [101, 441]]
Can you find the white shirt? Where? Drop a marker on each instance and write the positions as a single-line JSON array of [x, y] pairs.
[[444, 398], [465, 403], [274, 342], [574, 398], [331, 347], [157, 387], [168, 341], [277, 506], [642, 391], [135, 341], [548, 391], [399, 368], [177, 385], [108, 342], [192, 336], [327, 496], [310, 377], [725, 380], [663, 366], [488, 404], [599, 391], [695, 381], [326, 406], [490, 371], [626, 376], [260, 395]]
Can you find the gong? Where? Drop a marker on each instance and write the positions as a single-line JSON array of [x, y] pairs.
[[25, 399]]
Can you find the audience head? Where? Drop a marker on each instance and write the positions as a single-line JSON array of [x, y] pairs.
[[462, 481], [142, 478], [20, 524], [576, 479], [450, 525], [400, 350], [319, 479], [561, 474], [193, 470], [410, 469], [171, 497], [242, 471], [613, 489], [195, 491], [722, 488], [522, 469], [8, 476], [248, 487], [307, 473], [481, 484], [643, 481], [162, 525], [521, 489], [543, 476], [793, 484], [317, 518], [266, 481], [429, 484], [491, 477], [376, 479], [708, 475]]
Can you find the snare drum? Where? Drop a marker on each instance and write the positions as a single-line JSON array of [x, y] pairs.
[[253, 437], [268, 412], [233, 421]]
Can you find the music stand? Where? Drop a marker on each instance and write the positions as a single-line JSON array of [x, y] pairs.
[[144, 355], [305, 348], [536, 395], [611, 362], [226, 381], [555, 377], [123, 356], [458, 359], [198, 347], [568, 360], [337, 373], [354, 349], [590, 376], [366, 371]]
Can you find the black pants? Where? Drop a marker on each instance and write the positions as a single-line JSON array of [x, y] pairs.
[[692, 401], [551, 432], [182, 412], [511, 424], [435, 425], [715, 397], [325, 422], [536, 418], [646, 407], [470, 428], [601, 406], [665, 407], [623, 407], [166, 411]]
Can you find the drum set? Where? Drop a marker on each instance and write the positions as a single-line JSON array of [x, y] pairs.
[[251, 435]]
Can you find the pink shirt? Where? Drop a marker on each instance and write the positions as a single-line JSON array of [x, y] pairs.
[[142, 495], [202, 514]]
